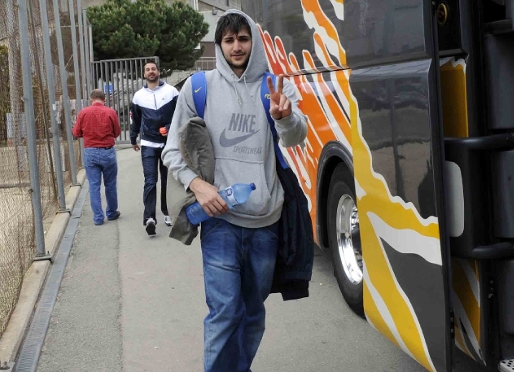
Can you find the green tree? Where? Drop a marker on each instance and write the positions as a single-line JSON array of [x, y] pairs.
[[122, 29], [177, 50]]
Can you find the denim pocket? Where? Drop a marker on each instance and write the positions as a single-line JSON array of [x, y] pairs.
[[273, 229], [111, 156], [89, 155], [208, 226]]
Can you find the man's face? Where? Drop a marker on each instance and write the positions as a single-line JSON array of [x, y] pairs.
[[152, 74], [237, 49]]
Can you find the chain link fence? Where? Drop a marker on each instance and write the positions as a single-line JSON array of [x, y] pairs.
[[42, 81]]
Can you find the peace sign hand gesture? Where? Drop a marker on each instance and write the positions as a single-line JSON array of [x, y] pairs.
[[280, 105]]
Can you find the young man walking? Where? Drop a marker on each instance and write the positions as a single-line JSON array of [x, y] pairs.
[[239, 247], [99, 126], [152, 110]]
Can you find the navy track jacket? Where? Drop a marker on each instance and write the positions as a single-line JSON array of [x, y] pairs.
[[152, 110]]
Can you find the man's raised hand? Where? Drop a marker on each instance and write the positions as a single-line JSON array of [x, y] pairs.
[[280, 105]]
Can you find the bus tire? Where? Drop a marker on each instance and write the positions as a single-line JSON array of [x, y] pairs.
[[344, 236]]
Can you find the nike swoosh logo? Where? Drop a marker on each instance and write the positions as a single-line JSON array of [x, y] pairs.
[[197, 90], [228, 142]]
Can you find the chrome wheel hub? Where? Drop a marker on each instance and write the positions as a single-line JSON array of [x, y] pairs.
[[347, 225], [506, 365]]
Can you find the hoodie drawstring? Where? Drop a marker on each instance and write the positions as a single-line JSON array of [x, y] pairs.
[[239, 98], [235, 90], [246, 85]]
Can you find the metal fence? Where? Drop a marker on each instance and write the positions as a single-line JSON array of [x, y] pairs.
[[44, 55], [205, 64]]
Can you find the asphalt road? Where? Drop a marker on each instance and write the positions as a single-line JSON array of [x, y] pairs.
[[133, 303]]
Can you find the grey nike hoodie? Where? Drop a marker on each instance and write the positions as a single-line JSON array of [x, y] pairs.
[[240, 135]]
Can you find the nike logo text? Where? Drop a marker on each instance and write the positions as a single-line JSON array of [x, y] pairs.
[[228, 142], [244, 124]]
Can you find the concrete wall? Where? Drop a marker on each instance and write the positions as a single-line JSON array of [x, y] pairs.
[[209, 50], [212, 20]]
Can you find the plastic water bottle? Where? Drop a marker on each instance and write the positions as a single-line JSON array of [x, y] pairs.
[[236, 194]]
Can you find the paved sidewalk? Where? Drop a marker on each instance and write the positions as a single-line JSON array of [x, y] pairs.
[[119, 281], [133, 303]]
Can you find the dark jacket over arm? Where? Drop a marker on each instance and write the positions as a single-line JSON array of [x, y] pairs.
[[196, 150], [295, 258]]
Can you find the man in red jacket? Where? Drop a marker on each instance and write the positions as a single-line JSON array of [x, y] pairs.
[[99, 126]]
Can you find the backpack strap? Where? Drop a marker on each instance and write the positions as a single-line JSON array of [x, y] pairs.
[[199, 90], [265, 98]]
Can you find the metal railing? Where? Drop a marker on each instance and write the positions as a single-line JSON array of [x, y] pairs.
[[205, 64]]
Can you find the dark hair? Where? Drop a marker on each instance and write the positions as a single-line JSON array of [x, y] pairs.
[[97, 94], [230, 23], [153, 63]]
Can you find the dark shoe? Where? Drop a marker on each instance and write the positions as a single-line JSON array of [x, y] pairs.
[[99, 223], [116, 216], [150, 226]]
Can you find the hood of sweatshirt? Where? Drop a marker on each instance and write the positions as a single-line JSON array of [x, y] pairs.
[[257, 63]]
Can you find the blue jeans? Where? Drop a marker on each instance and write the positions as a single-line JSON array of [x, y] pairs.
[[152, 166], [98, 162], [238, 265]]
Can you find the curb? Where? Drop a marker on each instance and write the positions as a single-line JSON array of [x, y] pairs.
[[34, 280]]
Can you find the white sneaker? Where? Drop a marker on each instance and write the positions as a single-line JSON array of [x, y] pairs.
[[167, 220], [150, 226]]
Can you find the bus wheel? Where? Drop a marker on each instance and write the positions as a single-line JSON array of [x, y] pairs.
[[344, 238]]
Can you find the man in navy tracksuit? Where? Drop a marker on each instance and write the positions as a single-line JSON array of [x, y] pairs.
[[152, 110]]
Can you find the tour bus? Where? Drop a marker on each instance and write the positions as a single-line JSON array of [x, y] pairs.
[[408, 164]]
